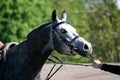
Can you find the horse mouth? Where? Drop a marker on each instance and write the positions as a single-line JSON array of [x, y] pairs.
[[84, 53]]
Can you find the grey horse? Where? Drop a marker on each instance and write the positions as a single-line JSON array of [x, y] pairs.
[[25, 60]]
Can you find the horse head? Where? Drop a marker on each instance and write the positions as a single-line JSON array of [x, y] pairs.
[[66, 39]]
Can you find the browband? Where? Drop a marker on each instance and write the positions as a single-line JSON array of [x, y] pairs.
[[58, 24]]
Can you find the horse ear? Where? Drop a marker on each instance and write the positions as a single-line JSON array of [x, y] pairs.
[[64, 16], [54, 16]]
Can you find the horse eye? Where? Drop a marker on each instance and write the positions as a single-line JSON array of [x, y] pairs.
[[63, 31]]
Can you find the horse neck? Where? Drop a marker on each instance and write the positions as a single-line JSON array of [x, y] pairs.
[[41, 46], [30, 55], [38, 58]]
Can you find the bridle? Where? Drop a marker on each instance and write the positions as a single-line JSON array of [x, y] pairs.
[[68, 43]]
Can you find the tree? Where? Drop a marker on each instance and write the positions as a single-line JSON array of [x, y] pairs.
[[18, 17], [104, 24], [95, 20]]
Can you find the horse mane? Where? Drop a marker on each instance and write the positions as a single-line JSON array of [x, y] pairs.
[[41, 27], [37, 33], [44, 25]]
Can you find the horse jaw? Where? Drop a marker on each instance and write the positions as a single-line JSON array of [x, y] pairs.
[[59, 45]]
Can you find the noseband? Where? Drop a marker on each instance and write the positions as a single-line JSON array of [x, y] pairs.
[[68, 43]]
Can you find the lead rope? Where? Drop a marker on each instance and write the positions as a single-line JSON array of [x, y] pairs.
[[50, 74]]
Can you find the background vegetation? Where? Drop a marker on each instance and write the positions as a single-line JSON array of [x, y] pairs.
[[97, 21]]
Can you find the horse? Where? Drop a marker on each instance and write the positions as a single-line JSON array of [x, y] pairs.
[[25, 60]]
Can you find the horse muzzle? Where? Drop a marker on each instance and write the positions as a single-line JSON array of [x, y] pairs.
[[83, 47]]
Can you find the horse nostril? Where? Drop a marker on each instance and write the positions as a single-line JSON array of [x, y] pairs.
[[85, 47]]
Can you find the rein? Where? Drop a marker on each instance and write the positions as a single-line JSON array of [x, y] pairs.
[[51, 73]]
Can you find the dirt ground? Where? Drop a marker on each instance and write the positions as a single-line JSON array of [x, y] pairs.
[[71, 72]]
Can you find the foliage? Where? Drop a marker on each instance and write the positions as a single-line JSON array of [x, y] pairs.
[[95, 20], [18, 17], [103, 22]]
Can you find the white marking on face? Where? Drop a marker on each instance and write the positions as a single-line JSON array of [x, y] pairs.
[[67, 31]]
